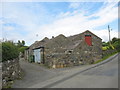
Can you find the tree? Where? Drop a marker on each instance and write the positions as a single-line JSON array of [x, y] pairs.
[[104, 44], [114, 40], [23, 42], [19, 43], [116, 43]]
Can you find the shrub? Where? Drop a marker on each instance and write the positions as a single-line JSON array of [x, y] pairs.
[[9, 51], [117, 45], [22, 49], [105, 48], [31, 58]]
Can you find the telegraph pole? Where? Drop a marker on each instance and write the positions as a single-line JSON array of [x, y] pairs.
[[109, 34], [109, 37]]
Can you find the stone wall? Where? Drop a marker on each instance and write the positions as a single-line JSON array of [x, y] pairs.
[[64, 51], [108, 52], [10, 71]]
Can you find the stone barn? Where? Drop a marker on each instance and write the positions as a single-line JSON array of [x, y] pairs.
[[61, 51]]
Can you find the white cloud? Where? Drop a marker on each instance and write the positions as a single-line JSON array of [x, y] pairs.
[[77, 23], [104, 34], [59, 0], [68, 23], [13, 36], [8, 28], [74, 5]]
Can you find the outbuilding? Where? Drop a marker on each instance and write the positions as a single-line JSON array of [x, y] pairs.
[[83, 48]]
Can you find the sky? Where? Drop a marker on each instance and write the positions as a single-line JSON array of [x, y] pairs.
[[32, 21]]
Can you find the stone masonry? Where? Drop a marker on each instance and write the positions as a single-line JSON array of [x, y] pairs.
[[64, 51], [10, 71]]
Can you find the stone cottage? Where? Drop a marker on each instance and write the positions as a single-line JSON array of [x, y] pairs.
[[61, 51]]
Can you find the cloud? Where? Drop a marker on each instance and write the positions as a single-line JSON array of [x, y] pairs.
[[76, 23], [67, 23], [9, 28], [104, 34], [74, 5], [59, 0]]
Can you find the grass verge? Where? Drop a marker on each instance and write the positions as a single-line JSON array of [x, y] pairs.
[[106, 57]]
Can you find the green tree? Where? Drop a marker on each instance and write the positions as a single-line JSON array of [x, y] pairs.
[[114, 40], [116, 44], [19, 43], [23, 43], [104, 44]]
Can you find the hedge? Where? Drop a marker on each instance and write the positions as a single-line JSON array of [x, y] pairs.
[[9, 51]]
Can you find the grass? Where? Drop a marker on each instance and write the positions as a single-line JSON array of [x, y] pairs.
[[104, 58], [8, 84]]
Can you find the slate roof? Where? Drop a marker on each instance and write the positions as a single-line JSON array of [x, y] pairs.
[[61, 41]]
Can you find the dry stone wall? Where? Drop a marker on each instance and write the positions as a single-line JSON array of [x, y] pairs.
[[10, 71], [108, 52]]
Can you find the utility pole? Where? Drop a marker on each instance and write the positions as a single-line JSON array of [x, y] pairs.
[[109, 34], [109, 37]]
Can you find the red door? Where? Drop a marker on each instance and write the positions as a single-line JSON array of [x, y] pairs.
[[88, 39]]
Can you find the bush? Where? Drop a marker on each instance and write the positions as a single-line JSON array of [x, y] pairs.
[[31, 58], [22, 49], [105, 48], [9, 51], [117, 45]]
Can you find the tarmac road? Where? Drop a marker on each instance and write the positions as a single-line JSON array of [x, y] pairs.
[[34, 73], [87, 76], [103, 76]]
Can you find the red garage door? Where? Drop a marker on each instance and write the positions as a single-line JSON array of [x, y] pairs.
[[88, 39]]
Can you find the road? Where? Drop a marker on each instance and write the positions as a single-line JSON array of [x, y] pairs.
[[33, 74], [103, 76], [87, 76]]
